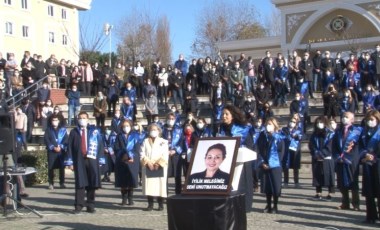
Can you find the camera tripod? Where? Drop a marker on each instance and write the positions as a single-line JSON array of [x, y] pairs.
[[7, 194]]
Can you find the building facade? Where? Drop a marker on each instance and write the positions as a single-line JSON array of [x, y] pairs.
[[42, 27], [335, 25]]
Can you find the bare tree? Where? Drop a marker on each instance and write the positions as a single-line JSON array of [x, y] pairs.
[[273, 22], [223, 21], [144, 37], [91, 40], [163, 44]]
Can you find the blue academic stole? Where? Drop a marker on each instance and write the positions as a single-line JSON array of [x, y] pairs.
[[319, 148], [371, 144], [238, 131], [353, 136], [93, 138], [130, 143], [273, 156]]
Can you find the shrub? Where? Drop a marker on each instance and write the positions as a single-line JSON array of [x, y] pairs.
[[38, 160]]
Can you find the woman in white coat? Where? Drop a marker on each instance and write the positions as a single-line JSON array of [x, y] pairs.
[[154, 160]]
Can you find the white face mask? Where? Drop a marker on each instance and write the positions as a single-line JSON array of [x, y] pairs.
[[219, 104], [55, 123], [117, 115], [249, 99], [333, 126], [127, 129], [174, 110], [368, 88], [108, 132], [292, 124], [321, 126], [270, 128], [156, 120], [371, 123], [345, 121], [200, 125], [258, 124], [298, 98], [170, 122], [82, 122], [74, 90], [346, 94], [153, 133], [136, 127]]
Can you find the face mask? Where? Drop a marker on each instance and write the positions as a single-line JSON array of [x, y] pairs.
[[270, 128], [188, 131], [48, 104], [333, 126], [219, 103], [200, 125], [368, 88], [320, 126], [108, 132], [345, 121], [346, 94], [45, 86], [298, 98], [100, 97], [371, 123], [174, 110], [117, 115], [136, 127], [56, 111], [156, 120], [82, 122], [170, 122], [249, 99], [261, 87], [153, 133], [292, 124], [190, 117], [301, 80], [127, 129], [258, 125], [55, 123]]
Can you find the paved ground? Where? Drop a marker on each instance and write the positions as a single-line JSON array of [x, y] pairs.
[[297, 211]]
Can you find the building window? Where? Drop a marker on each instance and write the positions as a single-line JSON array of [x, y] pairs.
[[24, 4], [8, 28], [25, 31], [50, 10], [51, 37], [8, 2], [64, 40], [64, 16]]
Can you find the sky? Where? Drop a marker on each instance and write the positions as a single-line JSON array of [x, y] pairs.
[[180, 13]]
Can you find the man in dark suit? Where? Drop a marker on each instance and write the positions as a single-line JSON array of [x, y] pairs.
[[85, 153], [56, 143], [306, 71]]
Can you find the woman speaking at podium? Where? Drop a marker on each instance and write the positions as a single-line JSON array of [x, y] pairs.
[[234, 124]]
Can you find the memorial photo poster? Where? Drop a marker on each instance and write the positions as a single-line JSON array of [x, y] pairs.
[[212, 166]]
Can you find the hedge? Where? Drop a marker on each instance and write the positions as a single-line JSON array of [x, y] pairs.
[[38, 160]]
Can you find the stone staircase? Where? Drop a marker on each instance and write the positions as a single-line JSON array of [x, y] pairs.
[[205, 111]]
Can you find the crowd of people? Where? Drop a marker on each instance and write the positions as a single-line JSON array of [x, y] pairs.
[[241, 96]]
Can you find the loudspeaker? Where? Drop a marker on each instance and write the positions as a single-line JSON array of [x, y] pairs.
[[7, 136]]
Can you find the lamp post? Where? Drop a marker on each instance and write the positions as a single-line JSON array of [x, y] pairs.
[[107, 31]]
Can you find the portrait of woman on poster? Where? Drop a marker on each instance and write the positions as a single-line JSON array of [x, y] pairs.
[[214, 157]]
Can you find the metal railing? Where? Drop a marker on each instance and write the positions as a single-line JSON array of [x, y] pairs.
[[25, 93]]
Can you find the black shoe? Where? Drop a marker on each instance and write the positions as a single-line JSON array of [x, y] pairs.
[[62, 186], [91, 210], [161, 208], [317, 197], [274, 210], [149, 208], [77, 211], [328, 198], [267, 210]]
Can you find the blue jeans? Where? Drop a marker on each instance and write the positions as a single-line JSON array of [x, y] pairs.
[[316, 81], [73, 114], [248, 83], [177, 93]]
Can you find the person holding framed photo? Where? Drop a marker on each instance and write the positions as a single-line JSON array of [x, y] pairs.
[[154, 157]]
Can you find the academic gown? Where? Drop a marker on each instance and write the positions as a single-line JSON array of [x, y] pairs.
[[126, 174], [347, 163], [246, 180], [53, 138], [323, 171], [271, 151], [76, 158]]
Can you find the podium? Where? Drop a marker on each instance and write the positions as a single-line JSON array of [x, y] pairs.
[[193, 212]]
